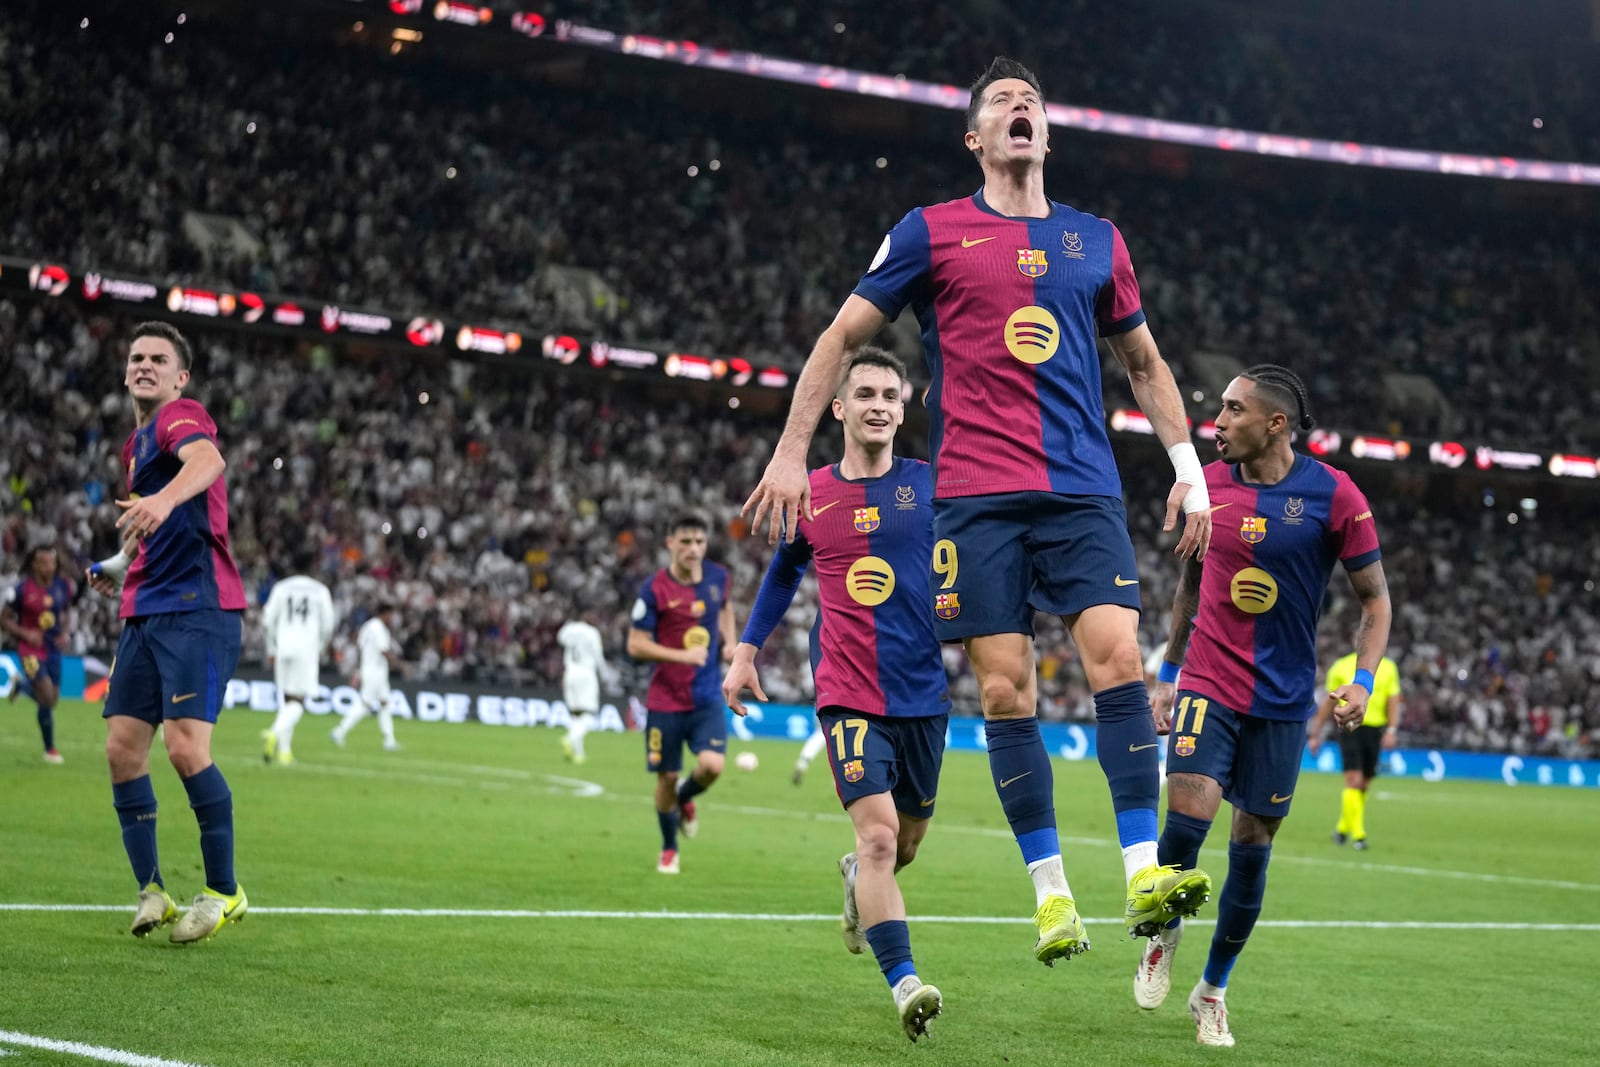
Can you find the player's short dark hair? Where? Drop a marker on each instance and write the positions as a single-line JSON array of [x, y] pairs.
[[1283, 388], [32, 552], [169, 333], [873, 356], [999, 70], [383, 607], [302, 559], [688, 520]]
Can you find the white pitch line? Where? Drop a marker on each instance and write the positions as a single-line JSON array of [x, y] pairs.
[[808, 917], [88, 1052]]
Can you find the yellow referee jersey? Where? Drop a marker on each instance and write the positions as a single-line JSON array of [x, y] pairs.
[[1385, 686]]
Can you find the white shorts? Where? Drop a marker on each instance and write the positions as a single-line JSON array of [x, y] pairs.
[[375, 697], [295, 675], [581, 694]]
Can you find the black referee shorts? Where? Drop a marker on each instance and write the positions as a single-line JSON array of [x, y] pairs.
[[1360, 749]]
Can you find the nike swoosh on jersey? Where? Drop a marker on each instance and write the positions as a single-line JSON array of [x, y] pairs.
[[1141, 748], [1007, 781], [1120, 580], [674, 603], [818, 511], [180, 698], [967, 242], [1276, 799], [1219, 507]]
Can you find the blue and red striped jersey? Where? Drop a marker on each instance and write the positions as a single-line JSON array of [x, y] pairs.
[[42, 607], [872, 542], [1273, 548], [684, 615], [1009, 309], [186, 564]]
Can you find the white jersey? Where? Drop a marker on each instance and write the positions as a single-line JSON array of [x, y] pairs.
[[298, 619], [583, 659], [374, 641]]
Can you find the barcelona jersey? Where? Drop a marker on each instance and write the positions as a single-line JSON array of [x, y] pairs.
[[1009, 310], [185, 565], [684, 616], [872, 542], [1273, 549], [42, 607]]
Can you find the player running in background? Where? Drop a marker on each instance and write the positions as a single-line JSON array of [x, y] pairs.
[[583, 660], [1359, 748], [181, 605], [376, 645], [38, 618], [297, 624], [1249, 661], [883, 700], [809, 751], [684, 702], [1011, 290]]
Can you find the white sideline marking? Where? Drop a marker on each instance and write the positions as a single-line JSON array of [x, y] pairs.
[[88, 1052], [830, 917]]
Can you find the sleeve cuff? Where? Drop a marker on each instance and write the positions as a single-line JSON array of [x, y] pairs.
[[1123, 325]]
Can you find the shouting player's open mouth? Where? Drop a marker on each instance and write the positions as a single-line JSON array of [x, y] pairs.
[[1222, 446], [1020, 132]]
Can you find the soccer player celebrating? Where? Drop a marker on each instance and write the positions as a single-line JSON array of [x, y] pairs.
[[181, 604], [684, 702], [38, 621], [1358, 748], [1249, 668], [883, 701], [1011, 289], [297, 624]]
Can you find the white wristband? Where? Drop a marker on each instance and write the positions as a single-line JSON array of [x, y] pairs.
[[1186, 469]]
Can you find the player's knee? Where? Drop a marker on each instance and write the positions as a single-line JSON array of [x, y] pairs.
[[709, 768], [1251, 829], [122, 757], [1124, 664], [1004, 697], [905, 853], [1354, 780], [875, 845]]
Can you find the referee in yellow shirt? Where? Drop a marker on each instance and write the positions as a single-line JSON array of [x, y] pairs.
[[1361, 746]]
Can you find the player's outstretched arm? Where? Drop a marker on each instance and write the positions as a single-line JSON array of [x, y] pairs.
[[785, 493], [1156, 393], [1185, 604], [741, 676], [1372, 638], [202, 465]]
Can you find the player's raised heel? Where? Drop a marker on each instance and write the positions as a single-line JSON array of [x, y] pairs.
[[668, 863], [1061, 934], [850, 922], [688, 819], [155, 910], [269, 745], [918, 1004], [1153, 980], [1158, 894], [1210, 1017], [208, 913]]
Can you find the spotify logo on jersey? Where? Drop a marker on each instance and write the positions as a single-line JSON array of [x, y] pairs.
[[1254, 591], [870, 581], [1032, 334]]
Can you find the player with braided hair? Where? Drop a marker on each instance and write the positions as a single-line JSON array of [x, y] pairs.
[[1238, 716]]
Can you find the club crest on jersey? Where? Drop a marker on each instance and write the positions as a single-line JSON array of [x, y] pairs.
[[1294, 510], [854, 770], [1072, 245], [698, 608], [947, 605], [866, 519], [1253, 529], [905, 498], [1031, 262], [1185, 746]]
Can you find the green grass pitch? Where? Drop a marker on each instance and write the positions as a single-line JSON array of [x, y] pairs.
[[479, 818]]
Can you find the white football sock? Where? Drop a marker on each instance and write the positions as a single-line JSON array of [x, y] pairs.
[[1136, 858], [1049, 879], [283, 725]]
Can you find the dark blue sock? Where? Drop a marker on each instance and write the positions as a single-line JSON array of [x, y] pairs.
[[1020, 765], [689, 788], [669, 829], [135, 802], [212, 802], [47, 725], [1238, 909], [891, 944], [1130, 756], [1181, 840]]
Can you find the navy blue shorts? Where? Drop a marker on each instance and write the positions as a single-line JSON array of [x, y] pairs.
[[33, 668], [1256, 761], [666, 732], [872, 754], [174, 666], [997, 559]]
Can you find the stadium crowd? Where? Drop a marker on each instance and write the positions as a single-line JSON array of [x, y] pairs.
[[280, 163], [493, 505]]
